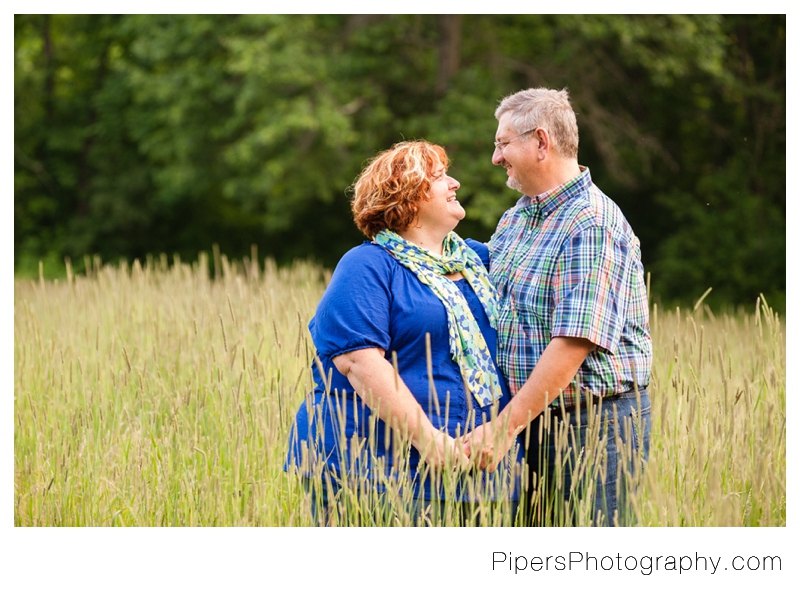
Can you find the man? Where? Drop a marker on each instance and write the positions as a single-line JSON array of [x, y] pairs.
[[573, 330]]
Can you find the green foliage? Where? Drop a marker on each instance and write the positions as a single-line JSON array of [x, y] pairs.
[[139, 134]]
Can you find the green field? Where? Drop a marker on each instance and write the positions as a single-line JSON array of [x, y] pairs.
[[151, 394]]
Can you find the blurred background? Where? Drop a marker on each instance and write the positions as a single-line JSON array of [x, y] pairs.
[[151, 134]]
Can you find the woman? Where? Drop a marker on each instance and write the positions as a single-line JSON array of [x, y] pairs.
[[405, 323]]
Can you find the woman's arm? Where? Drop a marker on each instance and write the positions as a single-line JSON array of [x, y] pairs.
[[379, 386]]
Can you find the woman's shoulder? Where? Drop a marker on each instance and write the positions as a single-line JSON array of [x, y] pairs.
[[366, 259], [367, 253], [482, 249]]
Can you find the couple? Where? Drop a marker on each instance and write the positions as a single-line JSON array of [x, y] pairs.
[[458, 351]]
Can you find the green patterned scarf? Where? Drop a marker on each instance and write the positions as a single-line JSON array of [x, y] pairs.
[[467, 344]]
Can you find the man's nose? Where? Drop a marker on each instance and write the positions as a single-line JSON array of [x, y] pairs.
[[497, 157]]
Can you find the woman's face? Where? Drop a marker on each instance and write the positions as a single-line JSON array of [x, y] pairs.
[[442, 210]]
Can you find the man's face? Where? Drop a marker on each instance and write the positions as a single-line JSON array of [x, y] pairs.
[[515, 154]]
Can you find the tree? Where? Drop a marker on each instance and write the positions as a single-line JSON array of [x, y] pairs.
[[139, 134]]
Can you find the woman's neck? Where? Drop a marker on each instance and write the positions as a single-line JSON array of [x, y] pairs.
[[425, 238]]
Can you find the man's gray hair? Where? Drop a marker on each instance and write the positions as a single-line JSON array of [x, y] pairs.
[[544, 108]]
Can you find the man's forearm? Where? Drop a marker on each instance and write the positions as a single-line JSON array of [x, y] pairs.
[[553, 372]]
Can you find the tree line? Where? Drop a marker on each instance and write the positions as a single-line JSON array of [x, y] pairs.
[[149, 134]]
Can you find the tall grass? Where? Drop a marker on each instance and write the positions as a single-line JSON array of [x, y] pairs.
[[157, 394]]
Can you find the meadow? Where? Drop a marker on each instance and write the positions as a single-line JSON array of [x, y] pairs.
[[161, 393]]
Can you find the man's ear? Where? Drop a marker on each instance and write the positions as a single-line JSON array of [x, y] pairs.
[[541, 139]]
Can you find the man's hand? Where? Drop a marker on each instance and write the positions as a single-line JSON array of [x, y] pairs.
[[488, 444]]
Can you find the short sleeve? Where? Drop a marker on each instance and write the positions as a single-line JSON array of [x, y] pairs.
[[354, 310], [590, 290]]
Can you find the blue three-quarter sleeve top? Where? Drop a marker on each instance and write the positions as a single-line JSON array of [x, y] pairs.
[[372, 301]]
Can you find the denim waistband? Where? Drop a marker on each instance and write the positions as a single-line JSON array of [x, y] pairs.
[[555, 405]]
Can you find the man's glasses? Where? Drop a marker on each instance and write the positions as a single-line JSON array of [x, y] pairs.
[[500, 146]]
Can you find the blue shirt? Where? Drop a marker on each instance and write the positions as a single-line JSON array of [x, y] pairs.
[[373, 301]]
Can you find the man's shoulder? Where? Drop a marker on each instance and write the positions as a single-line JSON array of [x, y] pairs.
[[593, 208]]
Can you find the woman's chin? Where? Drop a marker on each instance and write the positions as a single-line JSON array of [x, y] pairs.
[[457, 220]]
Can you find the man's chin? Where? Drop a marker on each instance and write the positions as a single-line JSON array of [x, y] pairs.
[[514, 184]]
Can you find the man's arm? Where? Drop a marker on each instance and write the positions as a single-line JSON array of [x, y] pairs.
[[554, 371]]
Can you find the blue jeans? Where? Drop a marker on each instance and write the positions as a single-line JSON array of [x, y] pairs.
[[567, 467]]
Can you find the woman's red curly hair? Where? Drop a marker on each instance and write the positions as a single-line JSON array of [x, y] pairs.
[[387, 191]]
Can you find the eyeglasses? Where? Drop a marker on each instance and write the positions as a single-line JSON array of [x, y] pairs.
[[501, 146]]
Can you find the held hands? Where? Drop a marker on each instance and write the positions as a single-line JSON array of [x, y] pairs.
[[483, 448], [441, 451], [487, 445]]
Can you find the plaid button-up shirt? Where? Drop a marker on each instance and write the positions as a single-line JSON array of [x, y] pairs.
[[566, 263]]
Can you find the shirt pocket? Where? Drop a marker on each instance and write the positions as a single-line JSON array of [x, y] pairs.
[[534, 305]]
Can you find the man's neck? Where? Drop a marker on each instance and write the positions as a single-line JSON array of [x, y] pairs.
[[556, 172]]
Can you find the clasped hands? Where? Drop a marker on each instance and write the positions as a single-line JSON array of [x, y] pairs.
[[488, 444], [482, 448]]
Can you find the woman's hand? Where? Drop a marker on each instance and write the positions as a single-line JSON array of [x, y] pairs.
[[488, 444], [442, 451]]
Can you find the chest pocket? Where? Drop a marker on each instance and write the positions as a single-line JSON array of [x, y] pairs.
[[533, 302]]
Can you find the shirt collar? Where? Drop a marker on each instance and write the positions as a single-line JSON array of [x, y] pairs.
[[550, 200]]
